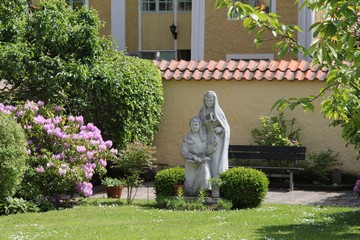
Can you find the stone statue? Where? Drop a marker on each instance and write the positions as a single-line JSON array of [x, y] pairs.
[[194, 151], [218, 133]]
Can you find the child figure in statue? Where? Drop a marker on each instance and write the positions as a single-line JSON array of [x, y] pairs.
[[194, 151]]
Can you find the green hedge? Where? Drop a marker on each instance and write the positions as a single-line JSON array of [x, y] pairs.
[[244, 187], [12, 155], [165, 179]]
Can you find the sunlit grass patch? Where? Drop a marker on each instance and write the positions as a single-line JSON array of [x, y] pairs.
[[114, 219]]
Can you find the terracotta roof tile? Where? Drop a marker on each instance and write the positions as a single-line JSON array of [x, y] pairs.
[[241, 70]]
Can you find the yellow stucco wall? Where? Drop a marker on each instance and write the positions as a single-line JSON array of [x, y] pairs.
[[155, 33], [243, 102], [132, 24], [223, 36], [103, 7], [184, 30]]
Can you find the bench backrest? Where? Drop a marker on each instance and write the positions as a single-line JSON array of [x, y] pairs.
[[267, 152]]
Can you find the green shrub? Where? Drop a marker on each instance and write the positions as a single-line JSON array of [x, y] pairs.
[[67, 61], [12, 155], [165, 179], [17, 205], [244, 187], [319, 165], [276, 131]]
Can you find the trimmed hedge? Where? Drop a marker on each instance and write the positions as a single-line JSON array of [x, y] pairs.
[[244, 187], [165, 179], [12, 155]]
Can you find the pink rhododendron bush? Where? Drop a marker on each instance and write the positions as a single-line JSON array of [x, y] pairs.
[[64, 153]]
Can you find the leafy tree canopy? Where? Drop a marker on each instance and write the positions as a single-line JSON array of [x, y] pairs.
[[54, 54], [335, 46]]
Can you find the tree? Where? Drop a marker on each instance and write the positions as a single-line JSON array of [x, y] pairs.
[[53, 53], [335, 47]]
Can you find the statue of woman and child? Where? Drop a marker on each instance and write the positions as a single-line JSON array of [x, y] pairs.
[[205, 146]]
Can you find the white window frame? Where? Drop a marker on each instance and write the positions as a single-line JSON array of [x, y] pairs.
[[84, 2], [169, 3], [247, 57], [186, 3], [252, 3]]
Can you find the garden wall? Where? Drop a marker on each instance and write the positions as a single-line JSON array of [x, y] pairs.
[[243, 102]]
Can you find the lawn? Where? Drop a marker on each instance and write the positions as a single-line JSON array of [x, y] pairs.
[[103, 219]]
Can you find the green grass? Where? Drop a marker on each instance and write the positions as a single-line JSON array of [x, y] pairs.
[[104, 219]]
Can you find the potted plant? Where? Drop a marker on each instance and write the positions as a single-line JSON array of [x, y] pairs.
[[177, 186], [133, 161], [215, 186], [114, 187]]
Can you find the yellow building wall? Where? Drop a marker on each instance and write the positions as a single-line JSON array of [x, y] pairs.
[[132, 26], [103, 7], [184, 30], [223, 36], [243, 102], [155, 32]]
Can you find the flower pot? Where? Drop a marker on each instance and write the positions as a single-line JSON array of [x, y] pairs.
[[176, 188], [114, 192], [215, 192]]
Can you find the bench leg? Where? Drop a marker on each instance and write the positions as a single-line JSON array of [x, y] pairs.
[[291, 181]]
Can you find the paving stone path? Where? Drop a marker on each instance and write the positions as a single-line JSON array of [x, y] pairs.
[[338, 198]]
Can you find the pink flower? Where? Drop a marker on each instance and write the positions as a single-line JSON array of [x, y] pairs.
[[71, 118], [20, 113], [84, 188], [89, 175], [62, 171], [57, 120], [49, 126], [114, 151], [81, 149], [57, 108], [40, 170], [102, 147], [90, 154], [40, 103], [108, 143], [49, 164], [80, 120], [102, 162]]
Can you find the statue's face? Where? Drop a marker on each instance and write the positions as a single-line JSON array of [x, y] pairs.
[[209, 101], [195, 126]]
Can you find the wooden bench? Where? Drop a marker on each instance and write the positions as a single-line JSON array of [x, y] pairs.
[[275, 153]]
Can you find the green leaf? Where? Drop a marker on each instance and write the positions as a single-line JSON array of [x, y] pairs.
[[247, 22]]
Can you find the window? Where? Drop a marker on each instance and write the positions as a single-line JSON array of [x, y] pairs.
[[247, 57], [184, 5], [75, 4], [157, 5], [266, 5]]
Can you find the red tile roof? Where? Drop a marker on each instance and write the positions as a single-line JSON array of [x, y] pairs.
[[241, 70]]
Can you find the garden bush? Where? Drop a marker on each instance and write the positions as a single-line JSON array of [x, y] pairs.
[[166, 178], [66, 61], [12, 155], [276, 131], [64, 153], [16, 205], [319, 165], [244, 187]]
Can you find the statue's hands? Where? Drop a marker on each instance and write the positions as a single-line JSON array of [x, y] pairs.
[[218, 130], [197, 159], [206, 159]]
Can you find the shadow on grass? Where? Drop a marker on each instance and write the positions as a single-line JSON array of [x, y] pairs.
[[335, 226]]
